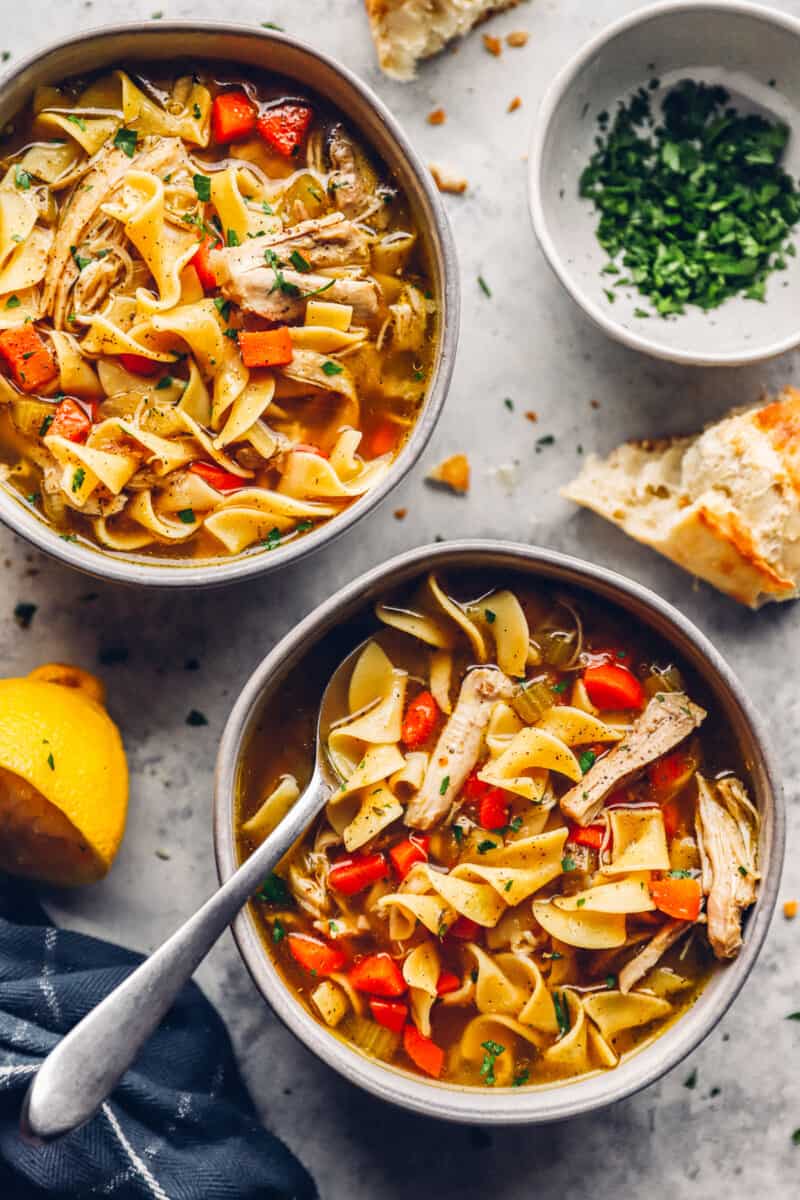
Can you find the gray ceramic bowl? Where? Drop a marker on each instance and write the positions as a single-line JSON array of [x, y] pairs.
[[742, 46], [506, 1106], [289, 57]]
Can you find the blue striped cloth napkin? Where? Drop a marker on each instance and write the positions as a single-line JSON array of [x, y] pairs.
[[180, 1126]]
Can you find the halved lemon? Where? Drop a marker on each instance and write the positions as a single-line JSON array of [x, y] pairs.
[[63, 777]]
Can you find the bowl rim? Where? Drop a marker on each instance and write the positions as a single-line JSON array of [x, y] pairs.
[[546, 1103], [556, 91], [210, 574]]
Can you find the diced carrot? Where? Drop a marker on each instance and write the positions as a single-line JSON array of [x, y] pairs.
[[284, 126], [223, 481], [383, 439], [586, 835], [448, 981], [493, 809], [202, 264], [233, 117], [70, 421], [405, 854], [464, 928], [378, 974], [352, 875], [314, 954], [672, 818], [389, 1013], [30, 361], [423, 1052], [678, 898], [612, 686], [139, 364], [474, 787], [266, 347], [672, 771], [419, 720]]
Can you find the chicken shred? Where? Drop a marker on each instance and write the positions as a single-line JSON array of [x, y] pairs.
[[726, 824]]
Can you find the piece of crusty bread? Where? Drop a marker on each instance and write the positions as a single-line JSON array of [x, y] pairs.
[[724, 504], [405, 31]]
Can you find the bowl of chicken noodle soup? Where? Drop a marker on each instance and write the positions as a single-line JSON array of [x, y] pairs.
[[228, 302], [554, 848]]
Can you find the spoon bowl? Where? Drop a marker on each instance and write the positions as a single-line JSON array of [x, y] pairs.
[[85, 1066]]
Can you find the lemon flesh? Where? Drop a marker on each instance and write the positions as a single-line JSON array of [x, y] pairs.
[[63, 782]]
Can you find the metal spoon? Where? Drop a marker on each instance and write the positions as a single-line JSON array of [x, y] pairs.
[[85, 1066]]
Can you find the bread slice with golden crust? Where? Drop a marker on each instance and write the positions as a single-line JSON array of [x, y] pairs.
[[405, 31], [724, 504]]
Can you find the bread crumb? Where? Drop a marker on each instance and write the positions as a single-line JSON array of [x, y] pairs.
[[400, 514], [518, 38], [493, 44], [437, 117], [514, 104], [447, 180], [530, 415], [790, 909], [453, 473], [595, 403]]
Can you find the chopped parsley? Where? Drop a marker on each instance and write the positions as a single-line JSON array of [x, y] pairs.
[[274, 890], [562, 1013], [271, 25], [46, 423], [24, 614], [272, 540], [78, 477], [195, 718], [560, 687], [278, 932], [223, 307], [186, 515], [491, 616], [611, 982], [690, 1081], [546, 440], [444, 785], [568, 864], [303, 526], [298, 262], [521, 1077], [280, 284], [202, 187], [80, 260], [21, 178], [486, 845], [126, 141], [13, 302], [587, 760], [509, 403], [232, 238], [76, 120], [483, 285], [332, 368], [458, 834], [493, 1051], [165, 382], [696, 205], [679, 873], [51, 762]]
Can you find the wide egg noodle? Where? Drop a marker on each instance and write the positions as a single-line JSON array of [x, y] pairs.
[[584, 930], [575, 727], [500, 1030], [247, 408], [272, 811], [639, 841], [76, 375], [192, 124], [628, 895], [522, 767], [570, 1053], [613, 1011], [378, 808], [508, 624]]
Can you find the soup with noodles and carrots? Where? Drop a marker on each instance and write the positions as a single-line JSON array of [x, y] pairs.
[[541, 843], [216, 323]]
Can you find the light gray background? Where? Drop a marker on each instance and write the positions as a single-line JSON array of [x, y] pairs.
[[530, 343]]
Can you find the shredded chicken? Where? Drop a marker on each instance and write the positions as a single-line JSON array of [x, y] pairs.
[[459, 746], [353, 183], [668, 719], [649, 955], [409, 319], [82, 207], [283, 299], [330, 241], [726, 824], [307, 366]]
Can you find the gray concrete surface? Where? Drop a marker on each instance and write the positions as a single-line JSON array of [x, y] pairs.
[[728, 1136]]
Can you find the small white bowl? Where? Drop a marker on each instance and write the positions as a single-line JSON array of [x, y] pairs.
[[753, 53]]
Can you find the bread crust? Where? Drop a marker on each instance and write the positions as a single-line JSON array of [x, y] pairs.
[[724, 504], [406, 31]]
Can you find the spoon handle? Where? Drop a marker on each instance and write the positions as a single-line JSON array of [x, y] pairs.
[[85, 1066]]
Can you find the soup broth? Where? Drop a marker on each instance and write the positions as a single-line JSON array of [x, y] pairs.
[[216, 319], [540, 847]]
